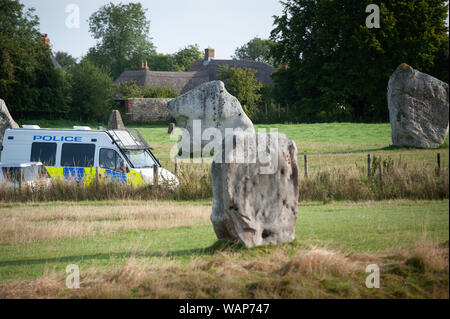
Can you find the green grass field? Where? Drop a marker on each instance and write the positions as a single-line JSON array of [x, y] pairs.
[[370, 228], [168, 249], [342, 145]]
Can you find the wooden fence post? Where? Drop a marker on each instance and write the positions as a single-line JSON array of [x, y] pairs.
[[368, 165], [176, 165], [380, 171], [20, 178], [438, 164], [306, 165], [155, 174]]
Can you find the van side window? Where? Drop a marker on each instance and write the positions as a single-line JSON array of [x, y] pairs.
[[110, 159], [77, 155], [43, 152]]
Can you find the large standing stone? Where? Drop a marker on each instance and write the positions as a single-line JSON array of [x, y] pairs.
[[256, 203], [6, 120], [418, 108], [213, 105], [115, 121]]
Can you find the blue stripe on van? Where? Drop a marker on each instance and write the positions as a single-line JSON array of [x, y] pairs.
[[73, 172], [116, 176]]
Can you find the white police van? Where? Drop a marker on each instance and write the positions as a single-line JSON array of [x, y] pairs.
[[83, 154]]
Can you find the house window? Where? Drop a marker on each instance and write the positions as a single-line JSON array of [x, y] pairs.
[[43, 152], [77, 155]]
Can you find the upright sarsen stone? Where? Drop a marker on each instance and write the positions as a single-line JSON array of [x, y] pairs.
[[213, 105], [418, 108], [115, 121], [256, 203]]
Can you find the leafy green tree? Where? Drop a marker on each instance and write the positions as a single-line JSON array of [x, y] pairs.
[[65, 59], [256, 49], [178, 62], [90, 98], [185, 57], [441, 67], [338, 69], [241, 83], [122, 31], [163, 62], [29, 83]]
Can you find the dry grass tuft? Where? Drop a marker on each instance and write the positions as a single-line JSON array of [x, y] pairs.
[[47, 286], [313, 273], [435, 257], [318, 261]]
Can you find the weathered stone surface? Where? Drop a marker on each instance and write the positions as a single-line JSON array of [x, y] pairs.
[[418, 108], [256, 203], [213, 105], [6, 120], [115, 121]]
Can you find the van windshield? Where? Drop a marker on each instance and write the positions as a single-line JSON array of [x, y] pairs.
[[139, 158]]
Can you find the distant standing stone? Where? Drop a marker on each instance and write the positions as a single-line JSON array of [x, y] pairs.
[[256, 203], [171, 128], [115, 121], [211, 103], [418, 108], [6, 120]]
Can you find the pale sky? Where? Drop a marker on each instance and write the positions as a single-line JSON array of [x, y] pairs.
[[221, 24]]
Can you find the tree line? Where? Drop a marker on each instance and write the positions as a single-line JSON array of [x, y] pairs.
[[81, 90], [329, 65], [337, 69]]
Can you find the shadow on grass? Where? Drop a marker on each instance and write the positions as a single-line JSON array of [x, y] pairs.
[[218, 246]]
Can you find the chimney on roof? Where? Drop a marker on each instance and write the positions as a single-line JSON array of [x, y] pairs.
[[46, 39], [209, 54]]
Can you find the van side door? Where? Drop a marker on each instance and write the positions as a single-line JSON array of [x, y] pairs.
[[75, 157]]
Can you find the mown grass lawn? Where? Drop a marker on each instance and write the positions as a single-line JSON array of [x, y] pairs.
[[328, 145], [364, 227]]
